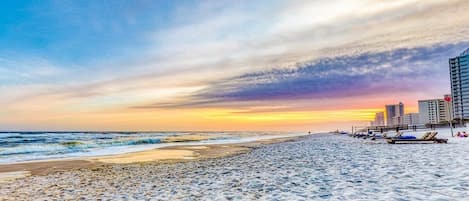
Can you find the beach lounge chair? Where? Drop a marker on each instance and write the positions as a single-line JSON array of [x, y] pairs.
[[424, 136], [429, 137], [398, 135], [376, 136]]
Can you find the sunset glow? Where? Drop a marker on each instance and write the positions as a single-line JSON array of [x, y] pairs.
[[229, 65]]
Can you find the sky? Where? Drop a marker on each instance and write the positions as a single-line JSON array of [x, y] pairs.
[[268, 65]]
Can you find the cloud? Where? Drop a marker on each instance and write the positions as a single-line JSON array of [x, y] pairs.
[[228, 39], [19, 71], [371, 74]]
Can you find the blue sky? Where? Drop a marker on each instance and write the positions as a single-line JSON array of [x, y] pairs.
[[76, 60], [79, 31]]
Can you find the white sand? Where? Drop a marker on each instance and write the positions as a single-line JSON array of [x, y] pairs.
[[146, 156], [196, 147], [9, 176]]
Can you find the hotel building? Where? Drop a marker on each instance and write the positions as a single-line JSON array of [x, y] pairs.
[[434, 111], [411, 119], [394, 114], [459, 73], [379, 119]]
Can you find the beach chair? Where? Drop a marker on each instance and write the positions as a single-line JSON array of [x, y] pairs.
[[424, 136], [431, 136], [398, 135]]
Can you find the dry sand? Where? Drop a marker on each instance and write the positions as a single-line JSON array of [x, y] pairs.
[[146, 156], [9, 176]]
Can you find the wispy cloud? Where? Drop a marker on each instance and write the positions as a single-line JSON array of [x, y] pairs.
[[392, 73]]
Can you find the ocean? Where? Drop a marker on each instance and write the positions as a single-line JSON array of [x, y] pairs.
[[33, 146]]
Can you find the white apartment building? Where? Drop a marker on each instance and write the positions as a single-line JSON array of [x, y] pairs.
[[434, 111], [411, 119]]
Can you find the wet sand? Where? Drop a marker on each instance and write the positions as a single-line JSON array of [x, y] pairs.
[[187, 138]]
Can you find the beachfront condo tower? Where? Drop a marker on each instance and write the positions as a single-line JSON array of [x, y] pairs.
[[394, 114], [411, 119], [379, 119], [434, 111], [459, 73]]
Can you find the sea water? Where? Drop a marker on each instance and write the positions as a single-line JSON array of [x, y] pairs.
[[30, 146]]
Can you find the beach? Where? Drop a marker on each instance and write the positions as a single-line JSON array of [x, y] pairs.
[[15, 174], [176, 149], [314, 167]]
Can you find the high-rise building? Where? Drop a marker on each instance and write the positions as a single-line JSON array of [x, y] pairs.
[[459, 73], [379, 119], [448, 111], [411, 119], [394, 114], [434, 111]]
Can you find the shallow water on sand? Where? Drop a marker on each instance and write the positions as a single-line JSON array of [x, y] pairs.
[[319, 167]]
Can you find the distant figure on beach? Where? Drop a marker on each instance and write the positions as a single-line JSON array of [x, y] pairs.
[[463, 134]]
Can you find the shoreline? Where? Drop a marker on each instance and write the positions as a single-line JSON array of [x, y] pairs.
[[169, 154]]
